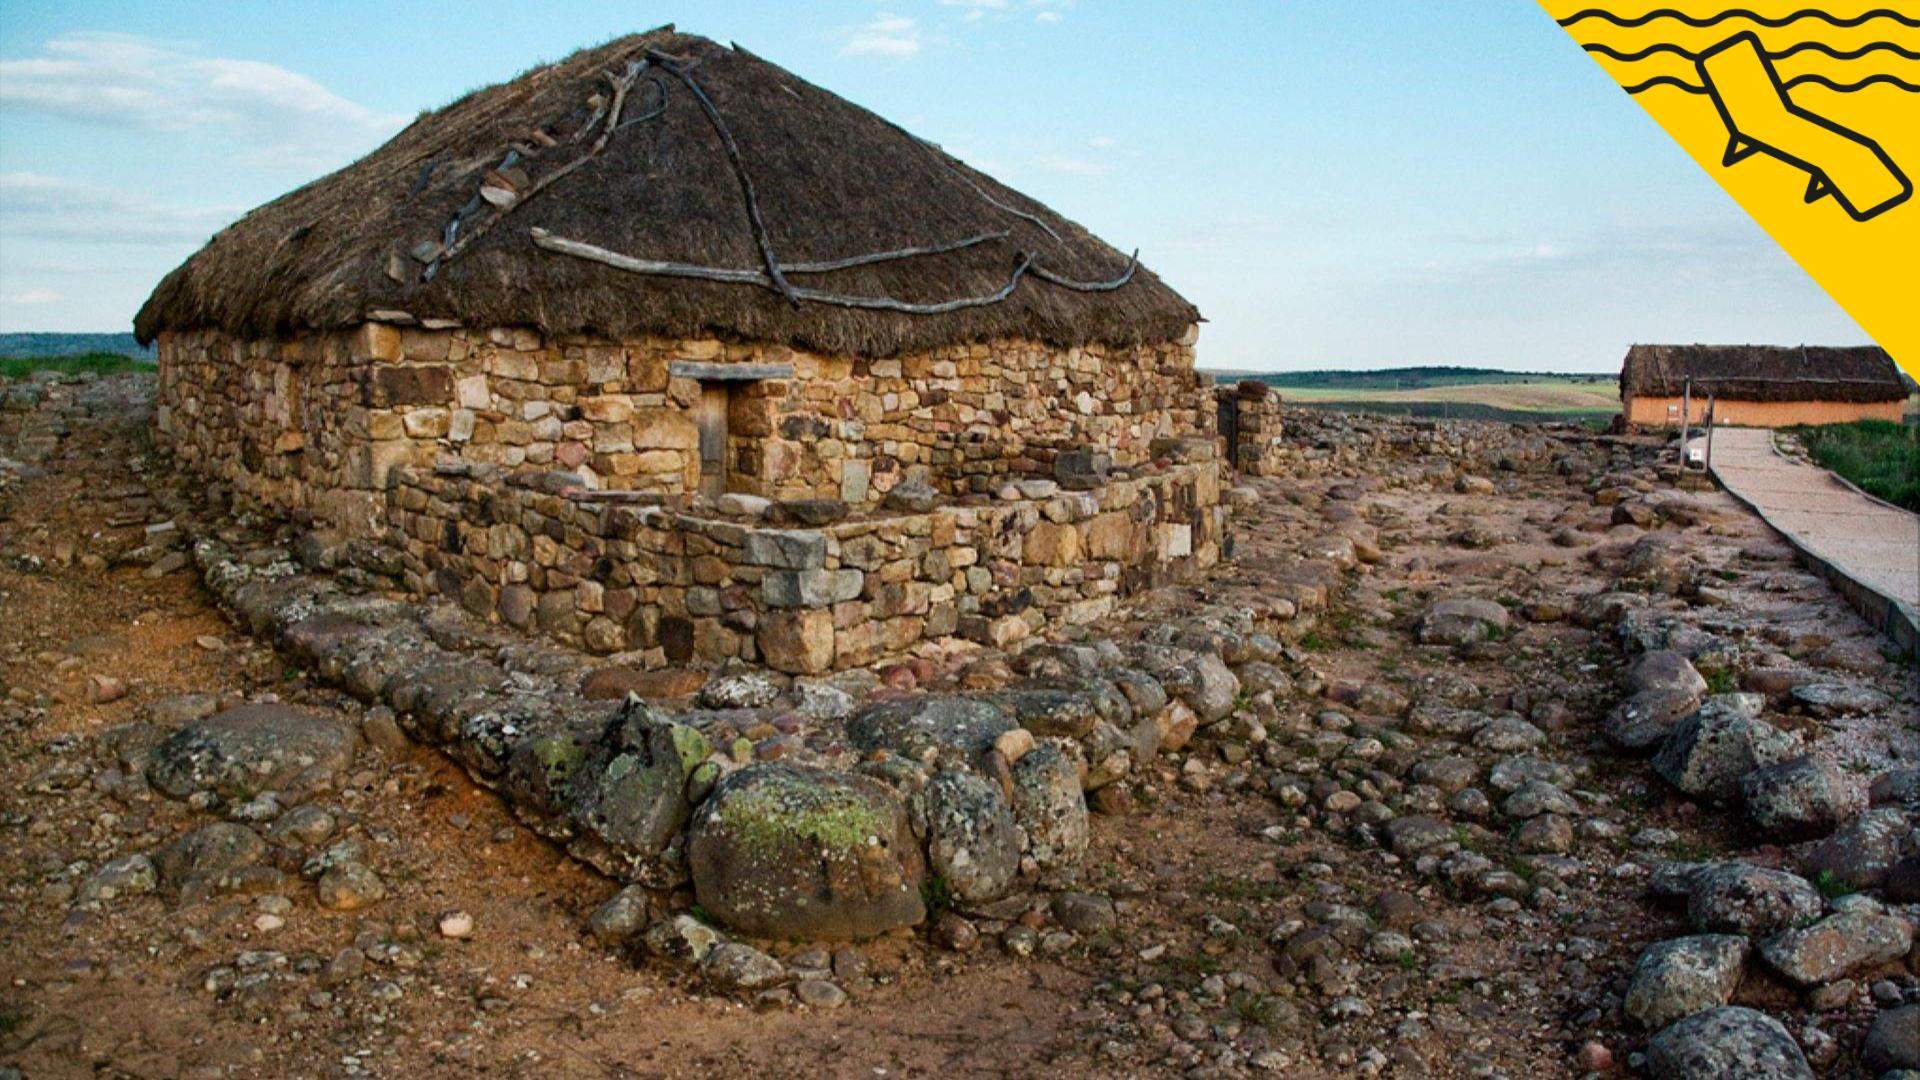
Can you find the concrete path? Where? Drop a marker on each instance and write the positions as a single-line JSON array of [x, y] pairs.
[[1860, 538]]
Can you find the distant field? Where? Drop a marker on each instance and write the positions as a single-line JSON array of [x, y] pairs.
[[18, 367], [1472, 393], [43, 344]]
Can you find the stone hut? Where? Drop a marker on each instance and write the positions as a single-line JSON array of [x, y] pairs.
[[1760, 385], [663, 349]]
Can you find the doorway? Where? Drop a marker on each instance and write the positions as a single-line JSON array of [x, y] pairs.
[[1228, 414], [710, 417]]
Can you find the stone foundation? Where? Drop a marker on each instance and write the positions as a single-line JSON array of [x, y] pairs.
[[681, 586]]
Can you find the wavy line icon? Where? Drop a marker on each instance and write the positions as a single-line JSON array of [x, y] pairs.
[[1846, 22], [1760, 118]]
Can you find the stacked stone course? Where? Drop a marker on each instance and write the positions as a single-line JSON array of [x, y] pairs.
[[454, 446], [681, 586]]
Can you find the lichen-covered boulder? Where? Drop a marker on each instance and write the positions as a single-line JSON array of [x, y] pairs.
[[1049, 804], [1739, 898], [1836, 945], [1708, 753], [249, 749], [630, 786], [1860, 854], [1675, 979], [930, 725], [1801, 797], [1726, 1042], [791, 851], [973, 844], [1051, 710]]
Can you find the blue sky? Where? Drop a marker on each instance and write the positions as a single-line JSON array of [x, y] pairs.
[[1335, 184]]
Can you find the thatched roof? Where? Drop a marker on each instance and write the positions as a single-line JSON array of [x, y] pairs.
[[1763, 372], [831, 181]]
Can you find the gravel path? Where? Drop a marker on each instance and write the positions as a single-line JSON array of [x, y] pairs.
[[1875, 544]]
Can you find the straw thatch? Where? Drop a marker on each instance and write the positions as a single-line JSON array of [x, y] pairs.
[[1762, 373], [830, 181]]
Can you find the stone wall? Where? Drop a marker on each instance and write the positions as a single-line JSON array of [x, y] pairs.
[[535, 551], [315, 423], [1258, 431]]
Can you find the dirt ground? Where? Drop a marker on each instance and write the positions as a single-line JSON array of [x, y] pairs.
[[1207, 872]]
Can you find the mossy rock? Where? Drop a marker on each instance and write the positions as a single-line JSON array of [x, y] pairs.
[[793, 852]]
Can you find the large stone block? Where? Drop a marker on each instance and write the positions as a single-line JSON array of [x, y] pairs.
[[1049, 544], [664, 429], [417, 384], [797, 642], [810, 588]]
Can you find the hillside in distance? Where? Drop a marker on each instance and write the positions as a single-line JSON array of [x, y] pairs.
[[51, 344]]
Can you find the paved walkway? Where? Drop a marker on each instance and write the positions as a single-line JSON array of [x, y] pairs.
[[1868, 541]]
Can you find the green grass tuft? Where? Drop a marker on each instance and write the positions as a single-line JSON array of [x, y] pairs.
[[1880, 456]]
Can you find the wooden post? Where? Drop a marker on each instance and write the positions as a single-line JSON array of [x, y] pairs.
[[1712, 400], [1686, 418]]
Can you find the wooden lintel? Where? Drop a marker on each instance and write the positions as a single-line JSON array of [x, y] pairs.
[[708, 372]]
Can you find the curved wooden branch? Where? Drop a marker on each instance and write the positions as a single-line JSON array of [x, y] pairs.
[[1133, 263], [890, 256], [732, 148], [621, 84], [940, 156], [593, 253]]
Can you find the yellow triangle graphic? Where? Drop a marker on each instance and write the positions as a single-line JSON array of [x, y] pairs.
[[1807, 114]]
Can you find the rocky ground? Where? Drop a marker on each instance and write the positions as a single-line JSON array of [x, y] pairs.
[[1529, 762]]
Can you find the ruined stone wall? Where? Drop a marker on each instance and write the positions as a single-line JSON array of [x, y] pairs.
[[534, 552], [315, 423], [1258, 430]]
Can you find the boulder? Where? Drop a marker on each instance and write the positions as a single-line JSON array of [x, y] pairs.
[[1675, 979], [1662, 688], [734, 967], [1739, 898], [973, 843], [739, 690], [930, 725], [1047, 711], [629, 785], [246, 750], [1463, 620], [1861, 853], [1708, 753], [1893, 1042], [208, 855], [1723, 1043], [622, 918], [1801, 797], [1830, 699], [1836, 945], [1049, 805], [791, 851], [1200, 680]]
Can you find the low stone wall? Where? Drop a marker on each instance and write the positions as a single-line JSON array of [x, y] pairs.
[[536, 551], [314, 423]]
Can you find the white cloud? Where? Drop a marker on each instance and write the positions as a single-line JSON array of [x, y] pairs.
[[49, 208], [274, 116], [886, 35], [33, 296], [1103, 142], [1046, 17], [976, 10]]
